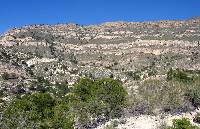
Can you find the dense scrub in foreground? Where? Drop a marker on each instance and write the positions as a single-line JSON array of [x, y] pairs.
[[89, 102], [38, 110]]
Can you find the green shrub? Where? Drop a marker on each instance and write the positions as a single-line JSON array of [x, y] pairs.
[[84, 89], [39, 110], [56, 107], [104, 97], [182, 124], [104, 91], [111, 92]]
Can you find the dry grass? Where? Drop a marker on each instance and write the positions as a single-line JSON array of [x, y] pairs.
[[156, 96]]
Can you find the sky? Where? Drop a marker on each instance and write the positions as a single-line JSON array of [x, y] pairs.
[[17, 13]]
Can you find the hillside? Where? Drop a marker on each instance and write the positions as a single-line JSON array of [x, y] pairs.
[[139, 54]]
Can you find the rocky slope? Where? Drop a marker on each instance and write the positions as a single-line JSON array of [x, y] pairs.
[[127, 51]]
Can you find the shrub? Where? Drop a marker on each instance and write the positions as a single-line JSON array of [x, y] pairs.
[[39, 110], [100, 98], [110, 92], [182, 124]]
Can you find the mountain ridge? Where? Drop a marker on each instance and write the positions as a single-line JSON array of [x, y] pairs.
[[197, 18], [138, 54]]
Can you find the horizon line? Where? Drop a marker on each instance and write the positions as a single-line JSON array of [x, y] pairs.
[[96, 24]]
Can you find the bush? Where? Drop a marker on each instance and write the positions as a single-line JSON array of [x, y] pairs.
[[100, 98], [107, 91], [90, 103], [182, 124], [39, 110], [111, 92]]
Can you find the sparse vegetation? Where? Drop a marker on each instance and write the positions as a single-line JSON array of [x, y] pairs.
[[192, 79], [179, 93], [160, 96]]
